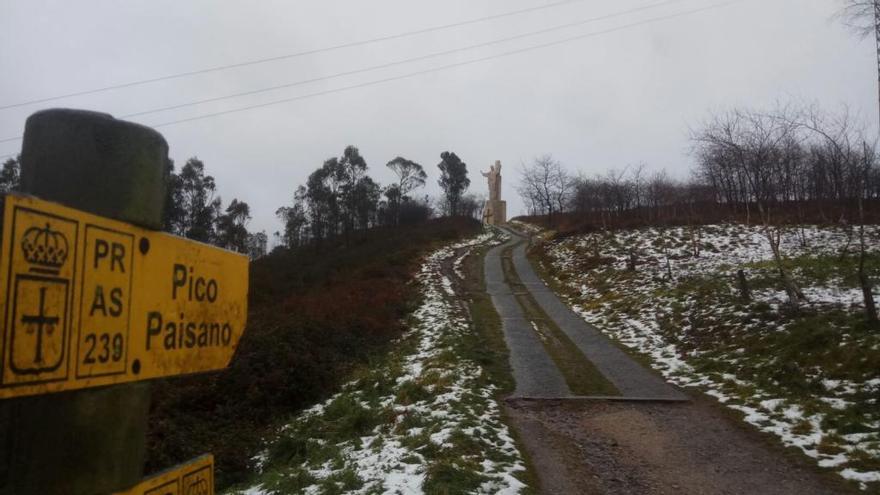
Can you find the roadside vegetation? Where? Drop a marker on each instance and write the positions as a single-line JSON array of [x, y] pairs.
[[316, 315], [754, 278], [706, 306], [332, 298], [424, 417]]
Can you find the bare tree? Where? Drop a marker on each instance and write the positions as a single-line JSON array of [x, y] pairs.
[[472, 205], [864, 280], [751, 142], [860, 16], [637, 174], [851, 172], [659, 192], [863, 18], [545, 186], [410, 176]]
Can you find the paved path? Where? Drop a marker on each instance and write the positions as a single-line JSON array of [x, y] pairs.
[[630, 377], [622, 447], [533, 370], [627, 375]]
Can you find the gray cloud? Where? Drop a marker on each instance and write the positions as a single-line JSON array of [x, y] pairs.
[[608, 101]]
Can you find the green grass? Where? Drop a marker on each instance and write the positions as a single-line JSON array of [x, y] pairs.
[[317, 316], [605, 280], [378, 405], [833, 270], [452, 475], [488, 347]]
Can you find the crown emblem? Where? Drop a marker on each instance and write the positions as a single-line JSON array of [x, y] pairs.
[[45, 248]]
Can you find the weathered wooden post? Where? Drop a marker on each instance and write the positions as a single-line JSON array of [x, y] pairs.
[[94, 301], [632, 261], [744, 293], [88, 441]]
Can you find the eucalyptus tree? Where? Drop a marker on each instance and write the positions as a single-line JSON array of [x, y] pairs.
[[10, 175], [453, 181], [231, 227], [410, 176], [200, 206]]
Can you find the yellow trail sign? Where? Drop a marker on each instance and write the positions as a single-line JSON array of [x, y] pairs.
[[195, 477], [90, 301]]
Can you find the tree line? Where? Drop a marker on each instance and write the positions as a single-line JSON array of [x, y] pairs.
[[340, 199], [192, 208], [779, 169], [745, 161]]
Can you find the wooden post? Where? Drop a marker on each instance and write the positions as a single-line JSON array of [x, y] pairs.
[[744, 292], [90, 441]]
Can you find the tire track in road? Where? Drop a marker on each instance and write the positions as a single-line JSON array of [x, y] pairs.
[[651, 440], [628, 376], [535, 373]]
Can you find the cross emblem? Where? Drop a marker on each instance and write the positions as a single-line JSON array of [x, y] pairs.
[[42, 322]]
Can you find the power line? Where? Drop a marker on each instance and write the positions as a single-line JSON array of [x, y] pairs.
[[400, 62], [443, 67], [453, 65], [291, 55], [406, 60]]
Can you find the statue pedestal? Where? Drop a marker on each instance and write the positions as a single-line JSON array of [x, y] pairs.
[[495, 212]]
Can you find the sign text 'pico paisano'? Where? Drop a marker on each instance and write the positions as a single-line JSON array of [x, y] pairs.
[[90, 301]]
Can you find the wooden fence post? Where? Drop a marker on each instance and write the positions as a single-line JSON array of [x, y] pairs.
[[90, 441]]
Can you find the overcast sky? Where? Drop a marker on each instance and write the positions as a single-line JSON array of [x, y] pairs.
[[601, 102]]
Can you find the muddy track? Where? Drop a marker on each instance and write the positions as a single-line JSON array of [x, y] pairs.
[[657, 448]]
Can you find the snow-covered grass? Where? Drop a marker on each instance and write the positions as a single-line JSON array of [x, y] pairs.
[[528, 228], [811, 377], [425, 418]]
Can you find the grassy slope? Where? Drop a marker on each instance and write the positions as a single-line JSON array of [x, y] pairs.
[[487, 345], [315, 315], [807, 376], [423, 415]]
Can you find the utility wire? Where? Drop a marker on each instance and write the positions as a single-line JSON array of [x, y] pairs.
[[400, 62], [292, 55], [453, 65], [441, 68], [406, 60]]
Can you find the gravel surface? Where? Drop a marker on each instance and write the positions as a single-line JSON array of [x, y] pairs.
[[604, 447]]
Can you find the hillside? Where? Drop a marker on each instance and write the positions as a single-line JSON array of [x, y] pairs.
[[674, 296], [315, 315], [423, 418]]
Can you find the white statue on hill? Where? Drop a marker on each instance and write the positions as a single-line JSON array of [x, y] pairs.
[[494, 176]]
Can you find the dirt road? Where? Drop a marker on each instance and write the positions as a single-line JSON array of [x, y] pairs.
[[657, 448], [588, 446]]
